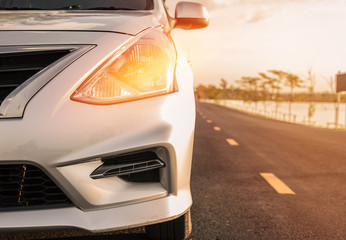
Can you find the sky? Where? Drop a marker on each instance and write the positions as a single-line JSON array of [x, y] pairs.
[[250, 36]]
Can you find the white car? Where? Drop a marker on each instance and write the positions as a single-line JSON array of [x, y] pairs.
[[97, 116]]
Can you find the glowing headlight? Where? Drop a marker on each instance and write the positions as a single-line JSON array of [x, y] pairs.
[[145, 69]]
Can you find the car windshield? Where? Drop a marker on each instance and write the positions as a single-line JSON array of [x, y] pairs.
[[76, 4]]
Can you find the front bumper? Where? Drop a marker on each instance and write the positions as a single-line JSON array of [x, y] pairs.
[[109, 203], [135, 215], [66, 139]]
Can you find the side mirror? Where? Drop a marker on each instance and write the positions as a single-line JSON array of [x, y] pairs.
[[189, 15]]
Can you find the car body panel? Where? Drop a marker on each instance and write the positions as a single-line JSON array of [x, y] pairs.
[[118, 218], [66, 139], [129, 22]]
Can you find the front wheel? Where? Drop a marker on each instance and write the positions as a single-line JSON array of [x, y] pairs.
[[177, 229]]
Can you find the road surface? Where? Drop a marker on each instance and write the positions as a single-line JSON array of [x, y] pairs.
[[256, 178], [234, 201]]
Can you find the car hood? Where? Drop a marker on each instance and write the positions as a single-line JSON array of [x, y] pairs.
[[90, 21]]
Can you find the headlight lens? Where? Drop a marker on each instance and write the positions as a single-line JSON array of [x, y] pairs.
[[145, 69]]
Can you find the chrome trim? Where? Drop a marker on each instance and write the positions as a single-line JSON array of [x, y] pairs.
[[116, 169], [14, 104]]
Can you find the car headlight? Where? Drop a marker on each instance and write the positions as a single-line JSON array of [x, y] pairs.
[[144, 69]]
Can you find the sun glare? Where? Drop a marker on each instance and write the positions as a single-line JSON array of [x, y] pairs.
[[246, 37]]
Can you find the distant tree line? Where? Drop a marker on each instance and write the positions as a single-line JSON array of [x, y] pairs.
[[269, 86]]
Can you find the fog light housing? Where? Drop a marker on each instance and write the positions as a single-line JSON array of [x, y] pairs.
[[140, 166]]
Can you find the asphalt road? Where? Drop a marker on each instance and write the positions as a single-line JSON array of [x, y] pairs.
[[231, 198]]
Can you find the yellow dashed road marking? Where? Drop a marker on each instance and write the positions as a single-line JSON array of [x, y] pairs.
[[232, 142], [209, 121], [216, 128], [279, 186]]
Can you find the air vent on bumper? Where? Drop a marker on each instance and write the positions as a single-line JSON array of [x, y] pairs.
[[135, 167], [24, 186]]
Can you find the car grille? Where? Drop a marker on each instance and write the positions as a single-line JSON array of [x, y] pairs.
[[16, 68], [25, 186]]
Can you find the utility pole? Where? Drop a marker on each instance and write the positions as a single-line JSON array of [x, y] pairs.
[[336, 124], [340, 87]]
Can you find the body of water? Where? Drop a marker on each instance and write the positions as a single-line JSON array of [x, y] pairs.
[[323, 114]]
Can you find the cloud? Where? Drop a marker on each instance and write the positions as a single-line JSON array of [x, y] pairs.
[[217, 4], [258, 16], [248, 36]]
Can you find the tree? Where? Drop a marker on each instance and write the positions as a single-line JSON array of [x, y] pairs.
[[224, 86], [209, 92], [312, 83], [275, 82], [272, 82], [264, 83], [292, 81], [251, 86]]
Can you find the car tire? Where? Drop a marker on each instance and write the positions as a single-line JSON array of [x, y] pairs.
[[177, 229]]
